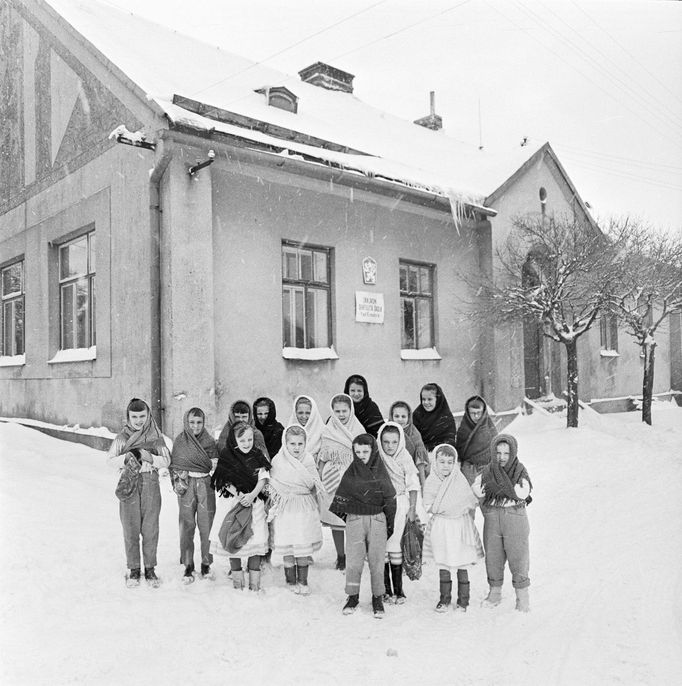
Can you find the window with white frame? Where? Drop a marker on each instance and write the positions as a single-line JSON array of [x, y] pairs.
[[306, 296], [77, 292], [608, 332], [416, 305], [12, 292]]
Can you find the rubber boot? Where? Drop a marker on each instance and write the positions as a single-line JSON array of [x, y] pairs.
[[302, 587], [462, 590], [445, 596], [238, 579], [522, 600], [397, 576], [290, 576], [254, 580], [388, 593], [494, 597]]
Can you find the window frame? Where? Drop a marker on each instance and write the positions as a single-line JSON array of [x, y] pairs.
[[416, 297], [306, 286], [608, 332], [12, 299]]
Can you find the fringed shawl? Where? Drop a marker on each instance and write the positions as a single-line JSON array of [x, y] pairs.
[[400, 467], [193, 453], [291, 477], [449, 496], [238, 469], [413, 439], [366, 410], [498, 482], [271, 429], [337, 438], [258, 440], [473, 438], [437, 426], [314, 427], [149, 437]]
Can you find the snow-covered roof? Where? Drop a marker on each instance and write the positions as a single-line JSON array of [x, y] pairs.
[[164, 63]]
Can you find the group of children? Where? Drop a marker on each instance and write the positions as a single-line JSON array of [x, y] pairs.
[[360, 475]]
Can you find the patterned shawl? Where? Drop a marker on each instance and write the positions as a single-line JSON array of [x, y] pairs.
[[473, 438], [437, 426], [413, 439], [149, 437], [337, 438], [498, 482], [258, 440], [400, 467], [366, 410], [270, 428], [314, 427], [448, 496], [193, 453]]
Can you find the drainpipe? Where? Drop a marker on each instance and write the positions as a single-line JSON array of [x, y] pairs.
[[164, 153]]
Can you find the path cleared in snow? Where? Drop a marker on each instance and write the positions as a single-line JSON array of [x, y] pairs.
[[606, 555]]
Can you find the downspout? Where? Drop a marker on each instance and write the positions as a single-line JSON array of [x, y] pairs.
[[164, 153]]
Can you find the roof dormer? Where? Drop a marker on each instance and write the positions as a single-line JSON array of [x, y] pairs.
[[280, 97]]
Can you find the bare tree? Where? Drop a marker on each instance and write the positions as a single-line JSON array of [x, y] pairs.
[[556, 272], [648, 290]]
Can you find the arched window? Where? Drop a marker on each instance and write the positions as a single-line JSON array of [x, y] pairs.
[[280, 97]]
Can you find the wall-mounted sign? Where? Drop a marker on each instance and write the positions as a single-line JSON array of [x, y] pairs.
[[369, 271], [369, 307]]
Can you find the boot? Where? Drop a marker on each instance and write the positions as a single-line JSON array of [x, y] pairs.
[[188, 576], [445, 596], [205, 571], [290, 576], [341, 563], [462, 590], [397, 576], [494, 597], [522, 600], [151, 578], [238, 580], [254, 580], [388, 593], [133, 578], [351, 604], [302, 587], [377, 606]]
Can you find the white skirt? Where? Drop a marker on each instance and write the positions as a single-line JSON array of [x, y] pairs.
[[296, 530], [453, 543], [256, 545]]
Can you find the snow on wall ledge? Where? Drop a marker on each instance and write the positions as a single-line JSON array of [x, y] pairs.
[[74, 355]]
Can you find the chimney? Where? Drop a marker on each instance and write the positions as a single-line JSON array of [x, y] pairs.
[[433, 121], [326, 76]]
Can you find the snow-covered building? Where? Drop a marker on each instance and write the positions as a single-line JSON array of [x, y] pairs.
[[181, 224]]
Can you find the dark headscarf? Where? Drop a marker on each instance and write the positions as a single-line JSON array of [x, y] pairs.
[[236, 468], [190, 452], [498, 481], [258, 439], [149, 437], [473, 438], [437, 426], [366, 489], [366, 410], [271, 429]]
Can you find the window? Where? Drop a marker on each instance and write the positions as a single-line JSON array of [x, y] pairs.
[[306, 296], [608, 332], [12, 315], [280, 97], [77, 293], [416, 305]]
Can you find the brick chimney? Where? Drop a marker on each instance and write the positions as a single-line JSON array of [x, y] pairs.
[[326, 76], [432, 121]]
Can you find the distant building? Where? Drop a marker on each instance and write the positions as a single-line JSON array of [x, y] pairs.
[[322, 237]]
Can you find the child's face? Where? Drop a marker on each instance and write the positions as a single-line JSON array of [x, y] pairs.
[[241, 417], [303, 411], [342, 412], [196, 424], [295, 445], [245, 441], [399, 416], [389, 442], [262, 412], [137, 419], [356, 391], [502, 452], [363, 452], [445, 463], [428, 400], [475, 412]]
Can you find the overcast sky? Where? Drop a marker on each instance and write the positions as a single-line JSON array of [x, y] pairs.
[[602, 81]]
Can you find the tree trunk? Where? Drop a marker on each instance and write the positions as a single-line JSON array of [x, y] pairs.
[[572, 383], [648, 382]]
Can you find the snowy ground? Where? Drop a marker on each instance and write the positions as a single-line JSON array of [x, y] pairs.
[[606, 594]]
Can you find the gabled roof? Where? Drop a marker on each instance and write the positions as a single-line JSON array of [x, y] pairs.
[[162, 63]]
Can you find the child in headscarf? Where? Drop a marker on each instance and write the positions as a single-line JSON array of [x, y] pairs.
[[504, 486], [451, 539], [241, 412], [193, 460], [405, 480], [334, 457], [306, 415], [433, 418], [295, 494], [366, 499], [401, 413], [366, 410], [475, 432], [239, 478], [141, 448], [265, 414]]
